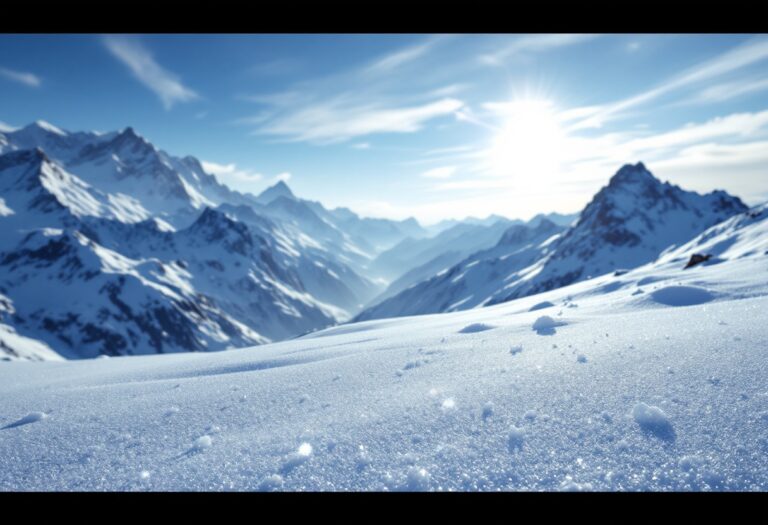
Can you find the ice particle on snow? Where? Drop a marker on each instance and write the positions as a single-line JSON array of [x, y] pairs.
[[515, 439], [417, 479], [654, 421], [271, 483], [448, 404], [581, 358], [569, 485], [302, 454], [203, 442]]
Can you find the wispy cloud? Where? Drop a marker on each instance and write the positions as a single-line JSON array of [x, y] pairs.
[[231, 172], [142, 64], [533, 44], [392, 61], [337, 121], [730, 90], [443, 172], [28, 79], [361, 145], [742, 56]]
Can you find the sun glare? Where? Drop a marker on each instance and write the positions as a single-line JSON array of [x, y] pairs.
[[529, 145]]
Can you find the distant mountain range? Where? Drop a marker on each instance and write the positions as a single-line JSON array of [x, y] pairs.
[[111, 246]]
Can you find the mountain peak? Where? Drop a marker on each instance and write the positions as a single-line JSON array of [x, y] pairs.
[[632, 173], [47, 127], [276, 191]]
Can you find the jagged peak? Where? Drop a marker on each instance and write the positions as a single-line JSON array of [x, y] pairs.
[[520, 232], [633, 173], [46, 127], [217, 226], [280, 189]]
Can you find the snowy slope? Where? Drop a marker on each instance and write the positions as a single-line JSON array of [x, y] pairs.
[[452, 245], [651, 380], [628, 223], [471, 282], [86, 275]]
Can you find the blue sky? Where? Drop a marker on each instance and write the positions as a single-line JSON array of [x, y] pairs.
[[433, 126]]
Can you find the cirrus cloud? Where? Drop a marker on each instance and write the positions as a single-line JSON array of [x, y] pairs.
[[142, 64]]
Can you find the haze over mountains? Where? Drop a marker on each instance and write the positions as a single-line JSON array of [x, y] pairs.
[[111, 246]]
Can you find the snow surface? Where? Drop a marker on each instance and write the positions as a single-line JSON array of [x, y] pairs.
[[666, 398]]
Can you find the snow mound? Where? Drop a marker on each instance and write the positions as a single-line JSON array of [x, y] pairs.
[[681, 295], [654, 421], [271, 483], [476, 327], [32, 417], [202, 443], [297, 458], [540, 306], [545, 325], [515, 439]]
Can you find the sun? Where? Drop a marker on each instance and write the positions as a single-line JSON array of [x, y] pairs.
[[529, 145]]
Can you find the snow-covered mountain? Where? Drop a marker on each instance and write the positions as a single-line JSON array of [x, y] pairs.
[[437, 252], [475, 279], [628, 223], [84, 282], [649, 380], [109, 245]]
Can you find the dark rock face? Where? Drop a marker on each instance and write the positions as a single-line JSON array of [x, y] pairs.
[[697, 258]]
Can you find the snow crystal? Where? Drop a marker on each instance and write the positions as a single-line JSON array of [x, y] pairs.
[[568, 485], [476, 327], [581, 358], [271, 483], [530, 415], [144, 474], [654, 421], [515, 349], [418, 479], [363, 459], [295, 459], [448, 404], [689, 463]]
